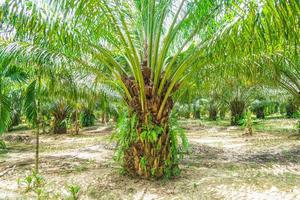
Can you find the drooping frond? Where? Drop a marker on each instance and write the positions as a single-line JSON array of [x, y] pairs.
[[5, 106], [30, 102]]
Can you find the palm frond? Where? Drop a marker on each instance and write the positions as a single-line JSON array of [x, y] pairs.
[[30, 107], [5, 112]]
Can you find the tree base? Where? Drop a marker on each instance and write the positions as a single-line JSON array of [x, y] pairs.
[[146, 160], [149, 151], [60, 129]]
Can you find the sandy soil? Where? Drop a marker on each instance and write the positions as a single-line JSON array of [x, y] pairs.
[[222, 164]]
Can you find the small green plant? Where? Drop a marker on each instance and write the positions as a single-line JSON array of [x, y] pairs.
[[143, 163], [28, 180], [74, 191], [195, 185], [32, 181], [2, 144], [3, 148], [41, 194], [247, 123]]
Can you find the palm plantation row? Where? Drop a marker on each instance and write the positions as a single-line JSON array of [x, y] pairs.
[[141, 58]]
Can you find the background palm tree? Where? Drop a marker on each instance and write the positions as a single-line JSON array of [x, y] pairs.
[[11, 78]]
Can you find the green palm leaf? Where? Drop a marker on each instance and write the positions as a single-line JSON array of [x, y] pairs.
[[5, 109], [30, 107]]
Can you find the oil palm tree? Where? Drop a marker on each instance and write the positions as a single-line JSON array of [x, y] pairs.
[[150, 48], [5, 104], [267, 43], [146, 59], [10, 78]]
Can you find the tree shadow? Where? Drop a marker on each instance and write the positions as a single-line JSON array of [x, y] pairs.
[[207, 156], [283, 157]]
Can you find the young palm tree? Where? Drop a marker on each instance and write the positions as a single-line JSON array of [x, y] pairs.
[[150, 48], [32, 107]]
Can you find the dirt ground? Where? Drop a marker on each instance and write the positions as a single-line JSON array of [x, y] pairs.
[[222, 164]]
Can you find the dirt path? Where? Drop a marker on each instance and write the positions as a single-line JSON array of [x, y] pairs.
[[222, 164]]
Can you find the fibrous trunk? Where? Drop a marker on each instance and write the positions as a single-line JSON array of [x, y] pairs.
[[60, 114], [87, 118], [291, 109], [59, 126], [150, 156], [197, 114], [248, 120], [222, 113], [16, 118], [260, 112], [237, 108], [151, 153], [104, 118], [213, 112], [75, 122]]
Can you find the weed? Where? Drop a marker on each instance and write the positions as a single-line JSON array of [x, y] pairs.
[[3, 148], [32, 181], [74, 191], [2, 144], [41, 194]]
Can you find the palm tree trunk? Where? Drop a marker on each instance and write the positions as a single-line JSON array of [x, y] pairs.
[[43, 127], [291, 108], [106, 118], [248, 119], [102, 117], [222, 113], [213, 112], [237, 108], [197, 114], [37, 148], [60, 126], [76, 122], [149, 155], [16, 118], [59, 122], [260, 112]]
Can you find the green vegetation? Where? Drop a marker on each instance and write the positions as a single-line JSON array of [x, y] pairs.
[[32, 182], [141, 69], [74, 190]]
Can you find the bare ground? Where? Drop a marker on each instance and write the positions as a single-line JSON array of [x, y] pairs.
[[222, 164]]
